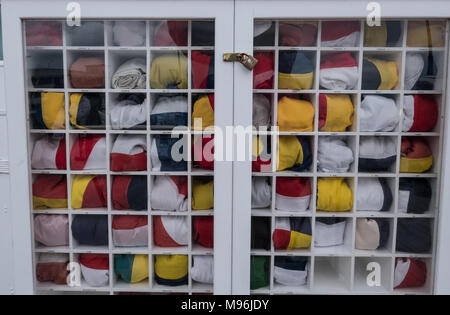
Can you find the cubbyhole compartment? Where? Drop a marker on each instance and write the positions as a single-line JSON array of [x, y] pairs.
[[375, 62], [129, 193], [386, 35], [43, 33], [292, 235], [88, 153], [169, 70], [379, 113], [88, 33], [45, 69], [263, 73], [422, 114], [288, 148], [295, 33], [94, 271], [50, 271], [87, 111], [89, 192], [261, 234], [413, 275], [336, 155], [417, 196], [202, 69], [296, 113], [291, 274], [49, 192], [47, 112], [128, 153], [333, 235], [332, 274], [262, 189], [126, 33], [128, 111], [378, 154], [89, 232], [169, 194], [331, 38], [260, 274], [170, 111], [417, 35], [130, 232], [337, 112], [293, 195], [263, 118], [424, 70], [168, 33], [169, 154], [163, 280], [296, 70], [131, 272], [48, 153], [202, 273], [51, 232], [415, 236], [202, 115], [171, 233], [264, 33], [339, 70], [374, 236], [420, 155], [128, 70], [335, 195], [375, 196], [373, 274], [86, 69]]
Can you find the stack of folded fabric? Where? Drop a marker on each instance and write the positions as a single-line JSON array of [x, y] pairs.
[[129, 193], [203, 227], [409, 273], [298, 34], [292, 233], [131, 268], [48, 73], [416, 155], [51, 229], [129, 153], [335, 112], [203, 151], [420, 71], [259, 272], [263, 71], [334, 155], [88, 153], [130, 230], [414, 235], [52, 267], [414, 195], [87, 111], [128, 33], [261, 154], [291, 271], [378, 114], [202, 70], [293, 194], [262, 111], [169, 71], [169, 193], [420, 113], [161, 154], [295, 71], [43, 33], [171, 270], [261, 192], [88, 72], [373, 194], [338, 71], [130, 75], [203, 112], [371, 234], [171, 33], [50, 191], [260, 233], [169, 112], [202, 33], [95, 269], [340, 33], [202, 194], [202, 269], [49, 152], [379, 74], [263, 33], [329, 232], [90, 230], [377, 153], [294, 154], [295, 115], [47, 110], [426, 33], [334, 195], [387, 34], [88, 33], [170, 231], [129, 112], [89, 191]]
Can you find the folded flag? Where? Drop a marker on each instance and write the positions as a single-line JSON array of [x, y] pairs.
[[334, 195], [50, 191], [340, 33], [169, 193], [89, 191], [202, 194], [373, 194], [294, 154], [295, 115], [377, 153], [203, 112], [48, 72], [409, 273], [87, 111], [371, 234], [202, 33], [262, 111], [202, 269], [261, 192], [303, 34], [129, 153], [293, 194], [161, 154], [169, 71], [90, 230], [260, 233], [420, 113], [295, 71], [130, 75], [47, 110], [88, 153], [259, 272], [329, 232], [379, 74], [172, 33], [414, 195], [95, 269], [338, 71], [51, 229], [203, 227], [88, 73], [130, 230], [49, 152], [169, 112], [43, 33], [387, 34], [426, 33], [291, 271], [129, 193], [378, 113], [171, 270], [420, 71], [129, 112], [170, 231], [263, 33], [52, 267], [202, 70], [334, 155], [335, 112], [87, 33], [414, 235], [416, 155], [263, 71], [292, 233], [261, 154], [131, 268], [203, 151], [129, 33]]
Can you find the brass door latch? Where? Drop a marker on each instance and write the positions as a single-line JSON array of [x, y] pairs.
[[247, 60]]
